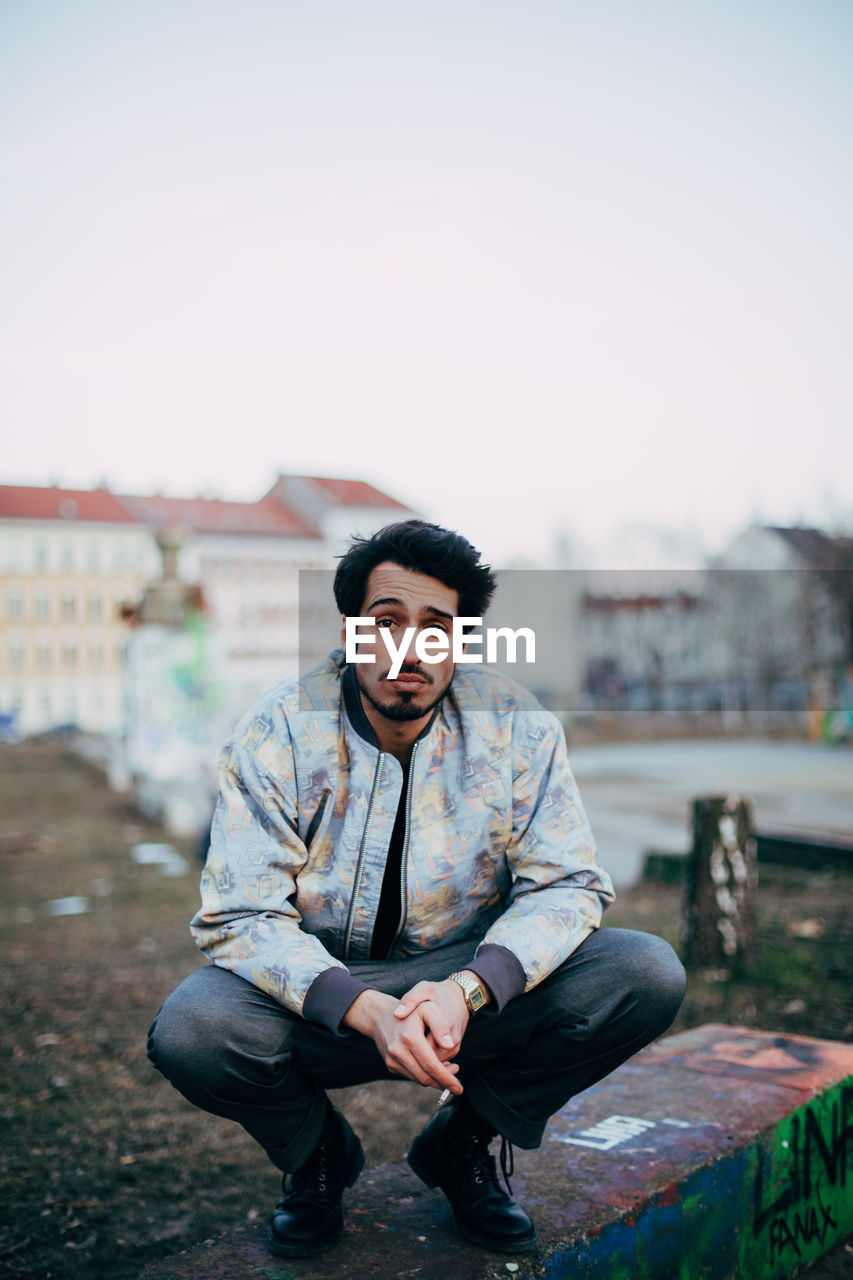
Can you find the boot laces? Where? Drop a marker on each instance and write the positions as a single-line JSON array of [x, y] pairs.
[[507, 1163], [482, 1162], [314, 1174]]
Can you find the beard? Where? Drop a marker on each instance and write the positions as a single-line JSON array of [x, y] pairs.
[[402, 707]]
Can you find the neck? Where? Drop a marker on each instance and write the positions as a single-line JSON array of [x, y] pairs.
[[394, 736]]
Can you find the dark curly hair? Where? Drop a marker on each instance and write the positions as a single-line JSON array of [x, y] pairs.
[[425, 548]]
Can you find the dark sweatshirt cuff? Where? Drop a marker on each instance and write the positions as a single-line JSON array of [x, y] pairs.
[[330, 995], [501, 971]]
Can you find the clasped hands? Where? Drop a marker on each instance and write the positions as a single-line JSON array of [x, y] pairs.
[[419, 1035]]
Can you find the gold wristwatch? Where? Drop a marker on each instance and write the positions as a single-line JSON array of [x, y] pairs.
[[476, 996]]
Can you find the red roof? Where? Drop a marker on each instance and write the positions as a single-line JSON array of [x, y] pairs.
[[271, 515], [352, 493], [21, 502], [214, 515]]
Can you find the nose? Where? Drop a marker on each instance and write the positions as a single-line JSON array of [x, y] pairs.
[[409, 653]]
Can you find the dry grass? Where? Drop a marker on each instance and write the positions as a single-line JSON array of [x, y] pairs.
[[104, 1167]]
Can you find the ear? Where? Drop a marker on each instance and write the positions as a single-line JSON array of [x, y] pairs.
[[343, 631]]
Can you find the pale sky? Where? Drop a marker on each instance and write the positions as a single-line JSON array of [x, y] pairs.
[[533, 268]]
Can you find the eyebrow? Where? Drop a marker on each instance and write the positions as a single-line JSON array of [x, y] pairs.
[[431, 609]]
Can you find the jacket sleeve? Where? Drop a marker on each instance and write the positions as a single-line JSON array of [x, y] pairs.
[[558, 890], [248, 922]]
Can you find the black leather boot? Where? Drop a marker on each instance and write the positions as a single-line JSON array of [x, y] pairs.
[[453, 1153], [309, 1218]]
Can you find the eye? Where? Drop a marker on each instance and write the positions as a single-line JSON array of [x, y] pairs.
[[385, 622]]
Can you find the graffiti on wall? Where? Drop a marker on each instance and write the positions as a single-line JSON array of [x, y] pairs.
[[801, 1201]]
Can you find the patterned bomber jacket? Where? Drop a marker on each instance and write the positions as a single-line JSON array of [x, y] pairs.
[[497, 847]]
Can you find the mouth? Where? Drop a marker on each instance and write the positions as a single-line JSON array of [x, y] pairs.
[[408, 683]]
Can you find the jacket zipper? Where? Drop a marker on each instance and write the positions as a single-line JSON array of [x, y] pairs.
[[404, 857], [359, 870]]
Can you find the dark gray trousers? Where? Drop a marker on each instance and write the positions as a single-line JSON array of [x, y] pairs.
[[234, 1051]]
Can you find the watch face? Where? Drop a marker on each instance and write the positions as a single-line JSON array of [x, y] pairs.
[[475, 993], [476, 999]]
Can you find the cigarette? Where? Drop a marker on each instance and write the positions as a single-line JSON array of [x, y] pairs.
[[445, 1095]]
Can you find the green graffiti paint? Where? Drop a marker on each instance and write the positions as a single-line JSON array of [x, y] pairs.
[[802, 1187]]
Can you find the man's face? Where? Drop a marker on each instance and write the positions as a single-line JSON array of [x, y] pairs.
[[399, 599]]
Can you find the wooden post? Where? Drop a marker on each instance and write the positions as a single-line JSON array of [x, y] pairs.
[[722, 883]]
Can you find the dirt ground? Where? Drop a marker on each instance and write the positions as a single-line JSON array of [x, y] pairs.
[[104, 1167]]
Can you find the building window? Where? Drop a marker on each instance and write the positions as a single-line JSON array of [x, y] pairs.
[[44, 702], [93, 560], [66, 560], [68, 605], [13, 556], [43, 655], [16, 654], [96, 655], [94, 608], [15, 609], [42, 607], [40, 558], [69, 655]]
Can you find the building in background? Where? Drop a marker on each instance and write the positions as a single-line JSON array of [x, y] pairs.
[[245, 558], [782, 610], [335, 510], [764, 634], [643, 641], [71, 563], [74, 565]]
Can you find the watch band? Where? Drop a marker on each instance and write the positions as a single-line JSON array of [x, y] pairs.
[[475, 992]]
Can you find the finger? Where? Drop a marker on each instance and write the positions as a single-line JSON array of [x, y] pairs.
[[409, 1002], [408, 1066], [438, 1071], [445, 1054], [443, 1036], [413, 1073], [436, 1020], [412, 1052]]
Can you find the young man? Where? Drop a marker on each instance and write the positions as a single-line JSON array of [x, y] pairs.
[[402, 883]]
